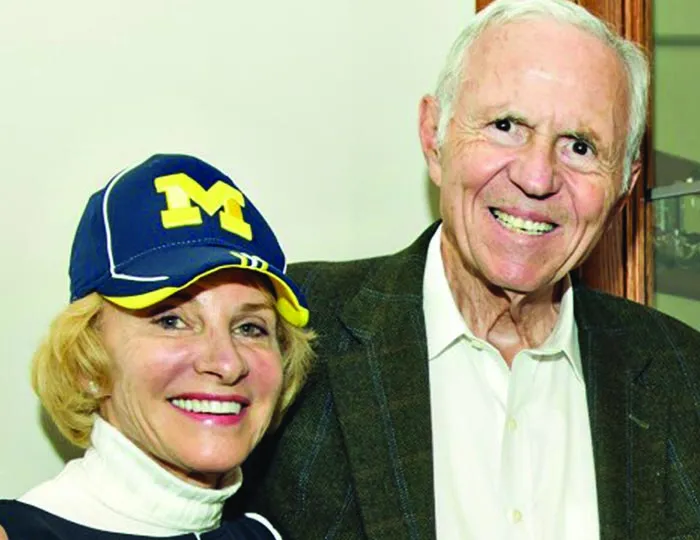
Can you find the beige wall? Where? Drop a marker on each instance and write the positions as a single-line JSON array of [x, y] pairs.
[[310, 105]]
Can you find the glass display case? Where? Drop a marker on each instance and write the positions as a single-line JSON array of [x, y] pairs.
[[676, 237], [676, 240]]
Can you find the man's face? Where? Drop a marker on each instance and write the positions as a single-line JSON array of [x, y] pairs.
[[531, 167]]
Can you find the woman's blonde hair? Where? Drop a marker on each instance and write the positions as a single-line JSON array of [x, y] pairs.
[[71, 370]]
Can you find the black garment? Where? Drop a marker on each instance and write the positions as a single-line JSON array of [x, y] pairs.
[[24, 522]]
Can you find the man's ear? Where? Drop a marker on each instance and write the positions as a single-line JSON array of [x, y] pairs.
[[635, 172], [429, 117]]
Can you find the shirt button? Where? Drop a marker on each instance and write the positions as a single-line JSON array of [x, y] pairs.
[[516, 516], [476, 345], [511, 424]]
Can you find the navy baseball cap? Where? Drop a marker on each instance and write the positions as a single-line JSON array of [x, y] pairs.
[[158, 227]]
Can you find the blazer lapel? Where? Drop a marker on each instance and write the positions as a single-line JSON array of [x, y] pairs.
[[380, 385], [628, 424], [379, 379]]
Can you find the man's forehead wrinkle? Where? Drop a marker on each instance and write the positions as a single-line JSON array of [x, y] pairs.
[[494, 64]]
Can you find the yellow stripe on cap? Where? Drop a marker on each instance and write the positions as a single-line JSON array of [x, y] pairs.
[[287, 303]]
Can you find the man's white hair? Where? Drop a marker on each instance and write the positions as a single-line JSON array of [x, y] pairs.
[[505, 11]]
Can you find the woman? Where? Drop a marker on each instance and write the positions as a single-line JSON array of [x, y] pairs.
[[183, 343]]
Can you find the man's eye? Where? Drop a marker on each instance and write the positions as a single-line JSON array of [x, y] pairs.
[[169, 322], [504, 124], [580, 147]]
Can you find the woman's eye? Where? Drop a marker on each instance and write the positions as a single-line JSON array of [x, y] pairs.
[[170, 322], [251, 330]]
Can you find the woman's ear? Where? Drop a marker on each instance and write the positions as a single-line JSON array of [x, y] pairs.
[[93, 388]]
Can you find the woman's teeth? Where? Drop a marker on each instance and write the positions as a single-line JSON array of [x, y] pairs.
[[207, 406]]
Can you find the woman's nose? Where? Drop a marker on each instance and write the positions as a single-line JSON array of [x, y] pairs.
[[223, 358]]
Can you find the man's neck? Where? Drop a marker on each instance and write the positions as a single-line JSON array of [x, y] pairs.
[[510, 321]]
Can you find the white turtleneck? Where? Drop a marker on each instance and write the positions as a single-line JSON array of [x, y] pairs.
[[116, 487]]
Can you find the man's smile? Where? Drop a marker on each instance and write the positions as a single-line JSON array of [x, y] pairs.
[[522, 225]]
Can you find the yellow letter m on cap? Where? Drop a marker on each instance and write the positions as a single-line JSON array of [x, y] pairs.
[[181, 190]]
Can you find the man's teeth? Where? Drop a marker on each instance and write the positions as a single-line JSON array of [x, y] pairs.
[[522, 225], [206, 406]]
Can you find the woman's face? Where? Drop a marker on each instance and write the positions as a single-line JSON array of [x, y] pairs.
[[195, 378]]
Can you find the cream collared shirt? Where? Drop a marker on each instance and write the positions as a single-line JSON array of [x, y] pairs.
[[512, 450]]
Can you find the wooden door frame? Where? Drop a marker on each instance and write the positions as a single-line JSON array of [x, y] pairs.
[[622, 263]]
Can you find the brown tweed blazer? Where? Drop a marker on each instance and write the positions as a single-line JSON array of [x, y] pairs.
[[353, 458]]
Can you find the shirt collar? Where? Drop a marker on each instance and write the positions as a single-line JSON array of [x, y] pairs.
[[564, 336], [444, 323]]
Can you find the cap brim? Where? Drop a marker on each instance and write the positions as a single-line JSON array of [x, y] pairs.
[[155, 277]]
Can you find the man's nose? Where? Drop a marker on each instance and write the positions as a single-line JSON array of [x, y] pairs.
[[534, 170], [223, 358]]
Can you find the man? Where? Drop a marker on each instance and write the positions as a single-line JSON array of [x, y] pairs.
[[465, 389]]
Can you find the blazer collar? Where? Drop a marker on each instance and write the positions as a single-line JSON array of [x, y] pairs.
[[381, 391], [628, 419]]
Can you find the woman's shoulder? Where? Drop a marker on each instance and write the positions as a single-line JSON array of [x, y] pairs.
[[12, 511], [21, 521], [25, 522]]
